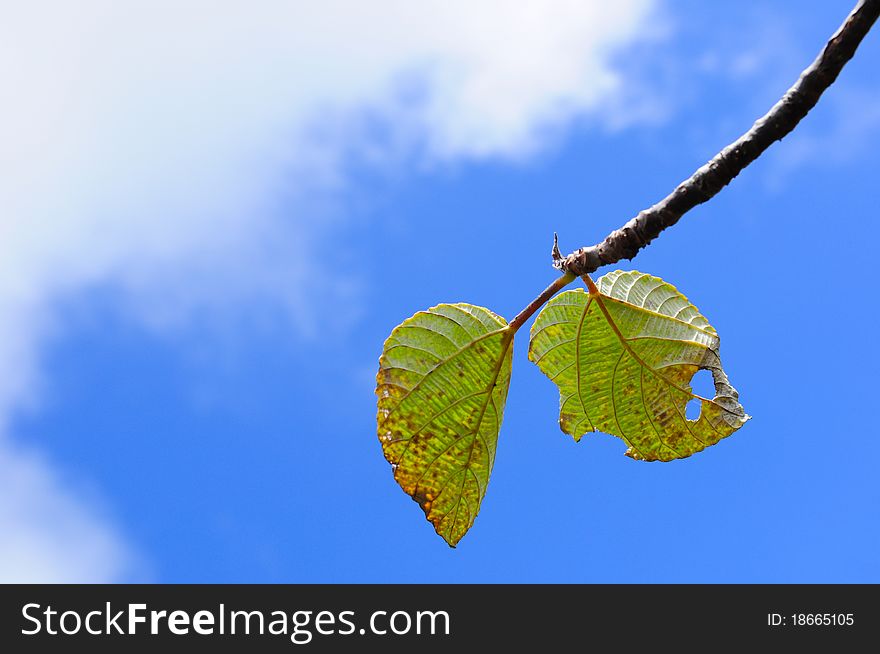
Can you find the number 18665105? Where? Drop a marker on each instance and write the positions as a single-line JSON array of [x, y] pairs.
[[810, 620]]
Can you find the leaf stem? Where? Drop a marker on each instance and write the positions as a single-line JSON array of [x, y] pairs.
[[591, 286], [539, 301]]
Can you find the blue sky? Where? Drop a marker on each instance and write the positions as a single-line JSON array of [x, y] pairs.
[[206, 243]]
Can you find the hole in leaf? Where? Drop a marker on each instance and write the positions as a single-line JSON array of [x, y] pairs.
[[702, 385]]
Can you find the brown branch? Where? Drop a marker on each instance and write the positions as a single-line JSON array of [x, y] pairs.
[[624, 243]]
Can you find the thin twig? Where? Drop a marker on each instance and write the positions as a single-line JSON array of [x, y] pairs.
[[624, 243], [538, 302]]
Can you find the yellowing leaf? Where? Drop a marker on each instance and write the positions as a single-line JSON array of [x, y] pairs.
[[442, 384], [623, 356]]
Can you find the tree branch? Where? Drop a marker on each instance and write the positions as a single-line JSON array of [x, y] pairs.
[[624, 243]]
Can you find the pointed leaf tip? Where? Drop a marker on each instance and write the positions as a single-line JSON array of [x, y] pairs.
[[623, 357], [442, 386]]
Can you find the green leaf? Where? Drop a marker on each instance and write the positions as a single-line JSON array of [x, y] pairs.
[[442, 384], [623, 356]]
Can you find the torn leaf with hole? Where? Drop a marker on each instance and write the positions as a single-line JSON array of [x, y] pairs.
[[623, 355]]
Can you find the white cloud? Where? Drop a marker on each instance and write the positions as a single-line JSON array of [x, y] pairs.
[[49, 535], [150, 145]]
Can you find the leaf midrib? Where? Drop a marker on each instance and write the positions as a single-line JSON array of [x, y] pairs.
[[505, 343], [623, 341]]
